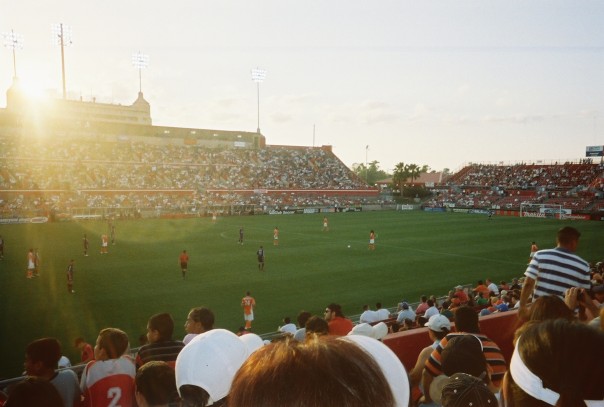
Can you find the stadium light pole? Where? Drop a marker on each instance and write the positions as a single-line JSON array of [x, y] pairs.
[[61, 35], [258, 75], [140, 61], [13, 41]]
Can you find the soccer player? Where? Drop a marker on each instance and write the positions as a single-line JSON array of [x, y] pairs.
[[70, 270], [260, 254], [86, 244], [184, 261], [37, 261], [1, 248], [276, 236], [104, 244], [31, 263], [325, 224], [372, 240], [248, 303], [240, 241]]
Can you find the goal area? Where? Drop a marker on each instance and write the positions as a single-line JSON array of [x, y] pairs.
[[533, 210]]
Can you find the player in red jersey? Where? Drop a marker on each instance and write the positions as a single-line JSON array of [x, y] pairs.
[[248, 303], [183, 259], [109, 380], [372, 240], [104, 244], [276, 236]]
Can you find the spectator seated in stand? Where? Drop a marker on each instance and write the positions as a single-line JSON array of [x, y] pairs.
[[335, 371], [206, 366], [556, 362], [161, 346]]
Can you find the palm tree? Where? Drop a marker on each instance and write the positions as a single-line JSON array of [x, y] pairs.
[[414, 171], [400, 175]]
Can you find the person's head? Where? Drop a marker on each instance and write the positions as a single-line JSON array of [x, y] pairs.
[[378, 305], [199, 320], [155, 385], [34, 392], [568, 238], [466, 320], [598, 293], [206, 366], [316, 325], [111, 343], [480, 282], [550, 307], [79, 343], [365, 307], [423, 298], [439, 326], [556, 362], [160, 328], [303, 316], [463, 354], [332, 311], [42, 356], [404, 305], [430, 302], [335, 372], [462, 390]]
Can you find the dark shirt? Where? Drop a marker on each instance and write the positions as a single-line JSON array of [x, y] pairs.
[[165, 351]]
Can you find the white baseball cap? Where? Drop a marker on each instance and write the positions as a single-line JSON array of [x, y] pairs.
[[438, 322], [391, 366], [212, 359]]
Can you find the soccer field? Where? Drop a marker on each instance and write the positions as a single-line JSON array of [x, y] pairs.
[[417, 253]]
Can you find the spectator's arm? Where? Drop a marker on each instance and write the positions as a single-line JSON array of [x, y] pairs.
[[427, 379], [415, 375], [527, 290]]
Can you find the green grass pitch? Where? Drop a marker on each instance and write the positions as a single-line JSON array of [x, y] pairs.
[[417, 253]]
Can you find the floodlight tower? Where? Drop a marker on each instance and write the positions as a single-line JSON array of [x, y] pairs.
[[258, 75], [140, 61], [13, 41], [61, 35]]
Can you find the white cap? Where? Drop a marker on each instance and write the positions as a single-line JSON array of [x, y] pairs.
[[438, 322], [391, 366], [211, 360], [377, 331]]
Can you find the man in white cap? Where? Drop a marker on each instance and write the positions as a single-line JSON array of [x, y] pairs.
[[438, 327]]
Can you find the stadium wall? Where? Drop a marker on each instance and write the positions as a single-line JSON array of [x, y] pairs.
[[500, 327]]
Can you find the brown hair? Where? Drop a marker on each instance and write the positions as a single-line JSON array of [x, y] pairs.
[[567, 357], [114, 341], [321, 372], [156, 382]]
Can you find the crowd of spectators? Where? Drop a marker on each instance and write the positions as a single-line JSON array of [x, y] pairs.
[[71, 174], [576, 186]]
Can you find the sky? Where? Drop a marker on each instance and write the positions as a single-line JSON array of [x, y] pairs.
[[437, 83]]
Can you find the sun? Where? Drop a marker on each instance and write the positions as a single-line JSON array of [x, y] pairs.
[[32, 90]]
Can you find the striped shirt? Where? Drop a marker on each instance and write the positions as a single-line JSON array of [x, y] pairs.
[[491, 351], [556, 270], [165, 351]]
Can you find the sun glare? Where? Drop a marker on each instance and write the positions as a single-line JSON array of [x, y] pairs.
[[32, 90]]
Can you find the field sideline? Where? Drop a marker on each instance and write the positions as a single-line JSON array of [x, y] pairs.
[[417, 253]]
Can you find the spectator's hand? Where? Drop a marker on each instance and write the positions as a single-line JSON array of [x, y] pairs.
[[570, 298]]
